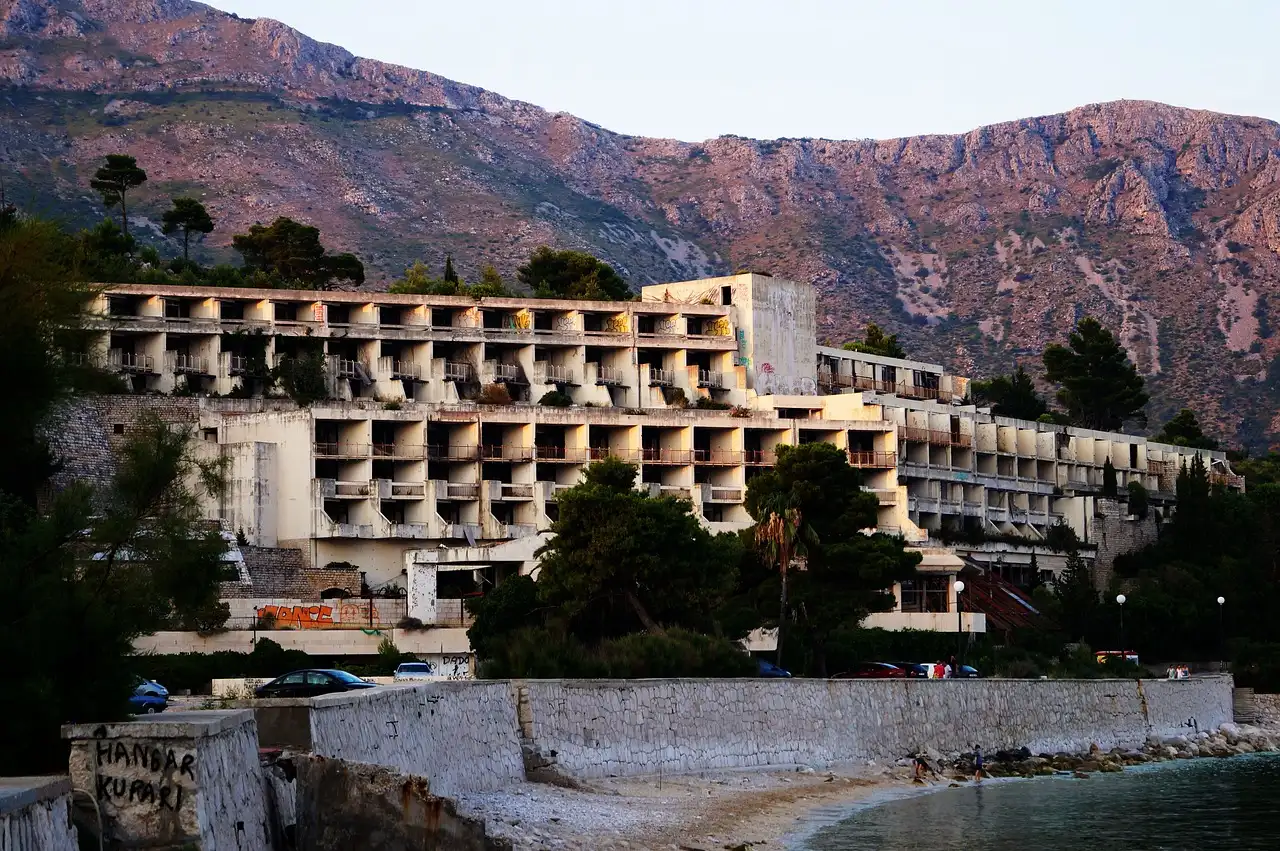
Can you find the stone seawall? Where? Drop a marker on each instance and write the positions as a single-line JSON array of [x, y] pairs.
[[461, 736], [615, 727], [35, 813], [1267, 707]]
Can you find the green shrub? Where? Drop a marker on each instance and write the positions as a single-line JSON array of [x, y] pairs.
[[555, 399]]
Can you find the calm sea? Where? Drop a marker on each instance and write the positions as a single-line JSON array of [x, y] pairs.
[[1216, 804]]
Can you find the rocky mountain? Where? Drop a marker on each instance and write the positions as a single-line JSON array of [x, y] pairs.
[[977, 248]]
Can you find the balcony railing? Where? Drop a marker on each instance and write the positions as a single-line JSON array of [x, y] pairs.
[[453, 452], [188, 364], [501, 373], [340, 449], [461, 490], [936, 437], [495, 452], [400, 370], [716, 494], [868, 459], [655, 455], [551, 373], [611, 376], [760, 457], [511, 531], [500, 491], [711, 379], [408, 452], [570, 455], [722, 457], [659, 377], [348, 368], [388, 489], [131, 362], [457, 371], [333, 489], [832, 379]]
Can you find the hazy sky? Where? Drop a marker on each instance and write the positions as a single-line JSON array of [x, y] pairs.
[[694, 69]]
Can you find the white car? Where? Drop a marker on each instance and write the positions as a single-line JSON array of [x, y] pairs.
[[409, 671]]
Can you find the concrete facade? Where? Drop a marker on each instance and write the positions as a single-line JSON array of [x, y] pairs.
[[697, 383], [35, 814], [183, 778]]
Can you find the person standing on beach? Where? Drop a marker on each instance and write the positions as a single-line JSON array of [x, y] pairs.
[[977, 763]]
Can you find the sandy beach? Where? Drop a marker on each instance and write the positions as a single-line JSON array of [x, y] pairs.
[[706, 812]]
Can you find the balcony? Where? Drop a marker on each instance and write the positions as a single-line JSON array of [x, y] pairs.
[[936, 437], [400, 370], [464, 531], [388, 489], [885, 496], [832, 380], [510, 492], [130, 362], [340, 449], [239, 365], [501, 373], [676, 491], [924, 504], [551, 490], [610, 377], [350, 369], [972, 509], [718, 457], [760, 457], [409, 530], [397, 451], [575, 455], [712, 493], [461, 491], [550, 373], [457, 371], [511, 531], [659, 377], [181, 364], [495, 452], [453, 452], [655, 455], [334, 489], [711, 379], [873, 460]]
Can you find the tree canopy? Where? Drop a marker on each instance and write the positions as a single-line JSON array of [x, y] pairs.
[[877, 342], [417, 280], [188, 216], [114, 179], [1098, 385], [1183, 429], [292, 252], [571, 274], [1010, 396], [848, 574]]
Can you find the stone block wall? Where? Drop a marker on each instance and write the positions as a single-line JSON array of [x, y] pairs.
[[1267, 708], [35, 813], [182, 778], [1115, 534], [460, 736], [599, 728]]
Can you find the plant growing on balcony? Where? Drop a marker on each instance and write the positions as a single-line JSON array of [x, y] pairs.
[[555, 399], [494, 394]]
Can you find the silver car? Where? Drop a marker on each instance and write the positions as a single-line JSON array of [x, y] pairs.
[[409, 671]]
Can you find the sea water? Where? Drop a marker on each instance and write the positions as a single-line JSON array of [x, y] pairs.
[[1217, 804]]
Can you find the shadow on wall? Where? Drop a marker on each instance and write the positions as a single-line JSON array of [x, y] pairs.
[[343, 805]]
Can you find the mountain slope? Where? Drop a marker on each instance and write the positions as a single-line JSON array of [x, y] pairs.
[[978, 248]]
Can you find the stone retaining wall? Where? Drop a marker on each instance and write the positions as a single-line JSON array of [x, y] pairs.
[[460, 736], [1267, 707], [35, 813], [610, 727]]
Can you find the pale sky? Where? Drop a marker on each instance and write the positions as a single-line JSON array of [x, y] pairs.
[[695, 69]]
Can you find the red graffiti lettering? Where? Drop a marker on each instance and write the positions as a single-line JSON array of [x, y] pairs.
[[298, 617]]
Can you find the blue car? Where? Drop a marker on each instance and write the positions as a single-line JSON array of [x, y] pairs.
[[148, 698], [768, 669]]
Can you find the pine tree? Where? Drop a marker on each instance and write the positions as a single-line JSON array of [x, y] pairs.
[[1098, 385], [449, 274], [114, 180], [189, 216], [1110, 486]]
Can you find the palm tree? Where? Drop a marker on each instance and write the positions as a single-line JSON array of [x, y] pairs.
[[782, 536]]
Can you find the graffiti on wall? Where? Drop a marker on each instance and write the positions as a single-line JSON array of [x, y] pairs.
[[769, 382], [143, 775], [349, 613], [298, 617]]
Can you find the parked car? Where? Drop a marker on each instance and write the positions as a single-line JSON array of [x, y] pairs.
[[913, 670], [968, 673], [768, 669], [872, 671], [310, 683], [148, 698], [409, 671]]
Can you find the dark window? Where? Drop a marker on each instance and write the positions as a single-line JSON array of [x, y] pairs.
[[117, 428], [726, 295]]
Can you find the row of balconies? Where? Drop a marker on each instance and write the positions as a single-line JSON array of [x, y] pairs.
[[831, 380], [936, 437]]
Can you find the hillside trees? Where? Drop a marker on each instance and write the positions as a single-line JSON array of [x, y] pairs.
[[188, 216], [292, 253], [114, 180], [1183, 429], [1011, 396], [877, 342], [571, 274], [1098, 385]]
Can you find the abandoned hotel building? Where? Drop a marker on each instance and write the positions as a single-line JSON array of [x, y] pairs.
[[411, 474]]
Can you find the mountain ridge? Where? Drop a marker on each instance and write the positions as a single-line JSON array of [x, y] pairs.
[[977, 247]]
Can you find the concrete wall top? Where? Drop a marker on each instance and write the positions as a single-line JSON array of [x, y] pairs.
[[19, 792], [193, 724]]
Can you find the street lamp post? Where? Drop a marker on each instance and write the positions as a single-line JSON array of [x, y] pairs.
[[1120, 598], [1221, 632], [959, 627]]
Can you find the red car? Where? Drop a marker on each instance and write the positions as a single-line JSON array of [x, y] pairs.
[[872, 671]]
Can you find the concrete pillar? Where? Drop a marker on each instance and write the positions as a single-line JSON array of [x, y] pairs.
[[420, 570], [181, 779]]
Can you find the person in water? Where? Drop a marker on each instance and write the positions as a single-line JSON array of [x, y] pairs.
[[978, 770], [922, 766]]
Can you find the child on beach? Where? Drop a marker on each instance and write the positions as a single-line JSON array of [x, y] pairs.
[[977, 763]]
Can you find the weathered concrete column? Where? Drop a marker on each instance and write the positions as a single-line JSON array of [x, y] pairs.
[[182, 779], [35, 812], [420, 571]]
